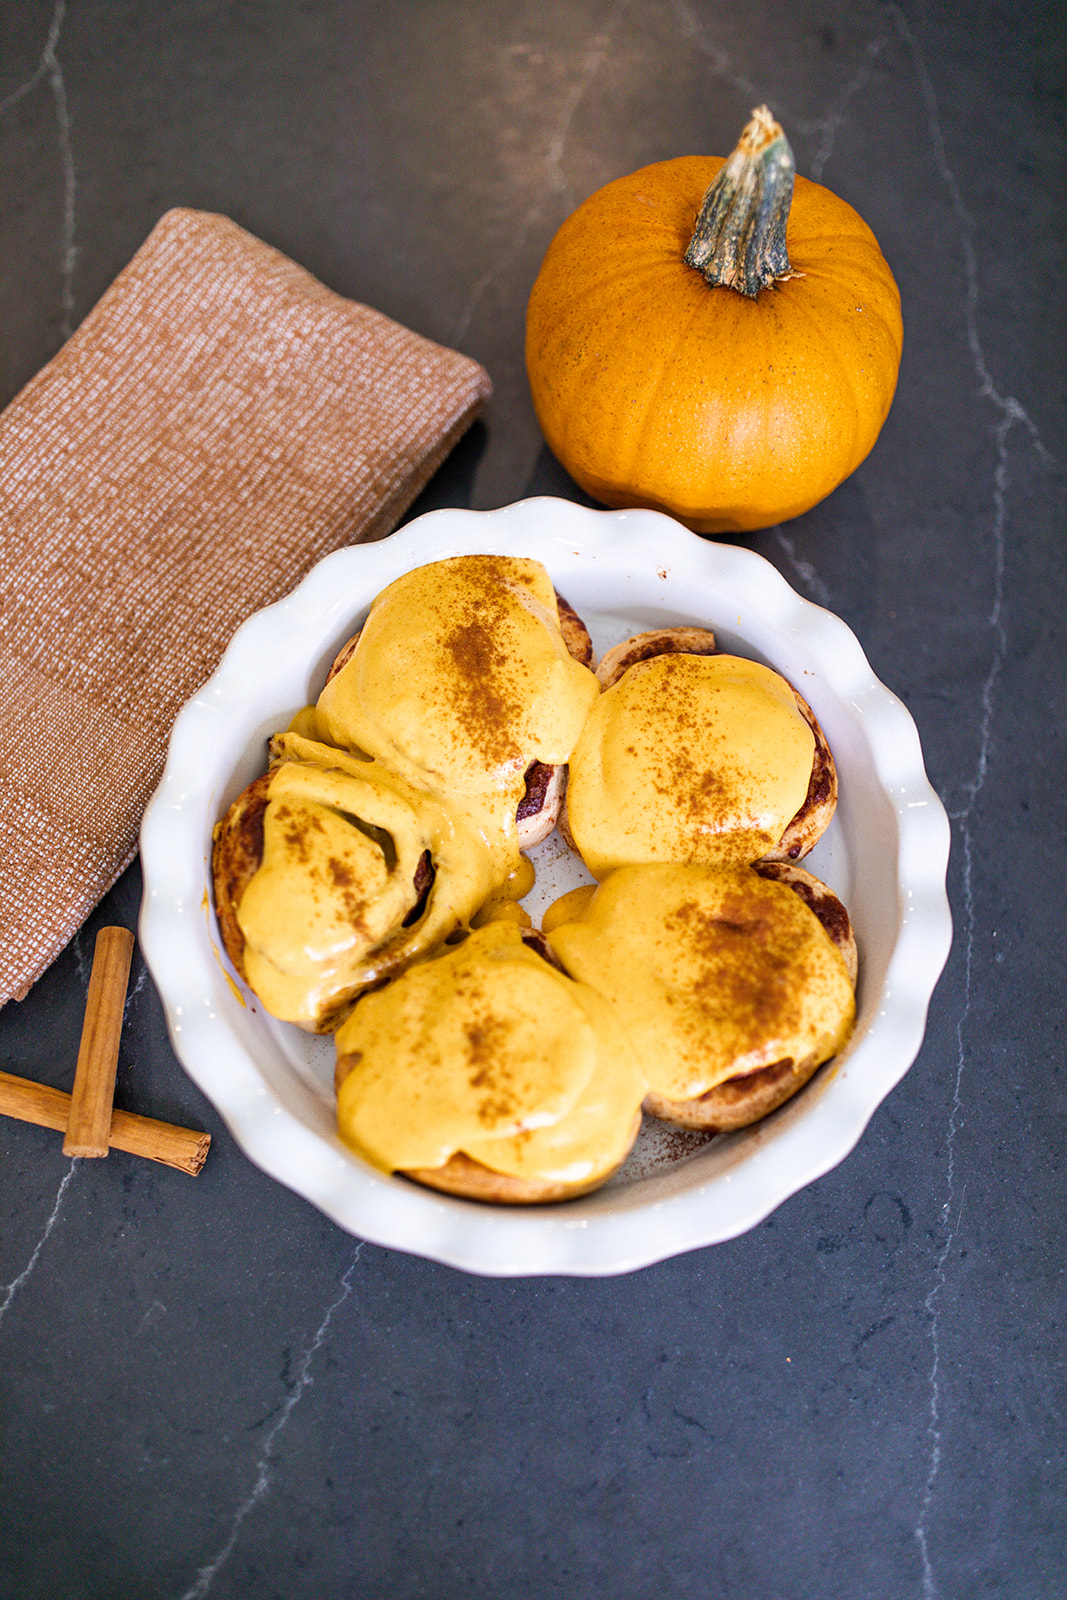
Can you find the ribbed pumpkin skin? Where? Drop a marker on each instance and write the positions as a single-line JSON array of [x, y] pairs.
[[655, 390]]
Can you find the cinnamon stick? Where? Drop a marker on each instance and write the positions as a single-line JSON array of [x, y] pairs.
[[38, 1103], [98, 1055]]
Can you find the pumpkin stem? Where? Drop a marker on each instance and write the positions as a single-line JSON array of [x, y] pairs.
[[739, 238]]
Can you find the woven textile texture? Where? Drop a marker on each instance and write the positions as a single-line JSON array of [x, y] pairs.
[[218, 423]]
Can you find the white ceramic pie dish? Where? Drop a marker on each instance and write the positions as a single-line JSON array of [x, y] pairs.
[[885, 854]]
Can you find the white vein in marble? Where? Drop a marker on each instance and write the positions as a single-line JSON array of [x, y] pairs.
[[504, 263], [1008, 414], [9, 1291], [48, 68], [263, 1466]]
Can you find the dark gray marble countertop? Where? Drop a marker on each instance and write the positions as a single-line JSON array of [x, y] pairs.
[[206, 1388]]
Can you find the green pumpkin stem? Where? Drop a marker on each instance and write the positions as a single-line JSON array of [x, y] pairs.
[[739, 238]]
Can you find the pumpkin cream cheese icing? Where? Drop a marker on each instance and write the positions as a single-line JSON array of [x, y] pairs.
[[390, 815], [367, 884], [330, 876], [693, 757], [723, 978], [490, 1073], [460, 680]]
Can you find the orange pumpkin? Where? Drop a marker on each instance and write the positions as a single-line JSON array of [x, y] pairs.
[[715, 339]]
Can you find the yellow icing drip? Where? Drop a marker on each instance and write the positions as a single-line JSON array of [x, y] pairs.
[[568, 908], [688, 758], [713, 971], [503, 904], [342, 839], [502, 910]]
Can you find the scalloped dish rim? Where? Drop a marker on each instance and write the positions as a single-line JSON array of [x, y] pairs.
[[624, 571]]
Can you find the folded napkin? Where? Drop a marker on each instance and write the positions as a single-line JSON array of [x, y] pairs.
[[218, 423]]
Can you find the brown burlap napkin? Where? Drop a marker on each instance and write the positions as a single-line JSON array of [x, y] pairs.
[[218, 423]]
